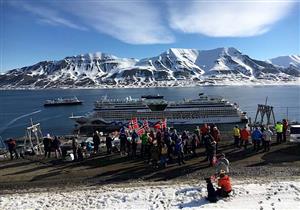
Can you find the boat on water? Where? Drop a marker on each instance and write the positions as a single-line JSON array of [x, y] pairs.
[[152, 97], [63, 102], [113, 113]]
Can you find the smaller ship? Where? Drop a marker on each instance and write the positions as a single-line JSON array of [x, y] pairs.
[[152, 97], [63, 102]]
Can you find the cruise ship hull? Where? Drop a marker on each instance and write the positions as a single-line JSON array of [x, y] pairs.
[[88, 125]]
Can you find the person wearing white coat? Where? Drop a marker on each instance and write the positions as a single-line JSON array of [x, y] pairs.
[[267, 136]]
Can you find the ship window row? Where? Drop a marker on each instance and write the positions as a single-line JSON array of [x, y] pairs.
[[157, 115], [187, 109], [214, 112]]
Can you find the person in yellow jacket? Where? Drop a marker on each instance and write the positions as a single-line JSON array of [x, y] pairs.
[[236, 136], [279, 130]]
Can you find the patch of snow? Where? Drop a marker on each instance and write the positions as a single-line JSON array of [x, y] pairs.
[[246, 195]]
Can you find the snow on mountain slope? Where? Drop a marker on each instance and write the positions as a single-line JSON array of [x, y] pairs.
[[286, 61], [174, 66], [175, 63], [199, 62], [223, 59]]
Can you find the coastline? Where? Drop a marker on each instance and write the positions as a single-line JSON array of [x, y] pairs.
[[165, 84]]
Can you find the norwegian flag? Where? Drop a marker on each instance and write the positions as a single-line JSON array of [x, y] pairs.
[[157, 125], [133, 124], [140, 131], [145, 124], [163, 123]]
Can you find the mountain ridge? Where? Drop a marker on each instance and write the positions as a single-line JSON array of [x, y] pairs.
[[172, 67]]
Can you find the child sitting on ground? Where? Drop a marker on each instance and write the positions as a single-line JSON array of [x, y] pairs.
[[224, 185]]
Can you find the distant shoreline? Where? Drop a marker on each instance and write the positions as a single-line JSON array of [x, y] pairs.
[[250, 84]]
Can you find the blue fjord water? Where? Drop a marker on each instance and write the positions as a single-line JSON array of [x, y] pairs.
[[17, 107]]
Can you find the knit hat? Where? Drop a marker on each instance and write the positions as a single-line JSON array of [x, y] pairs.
[[222, 171]]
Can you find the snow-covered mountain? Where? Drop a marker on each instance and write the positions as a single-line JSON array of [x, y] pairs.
[[172, 67], [286, 61]]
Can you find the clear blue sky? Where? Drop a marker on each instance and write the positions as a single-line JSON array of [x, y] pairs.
[[33, 31]]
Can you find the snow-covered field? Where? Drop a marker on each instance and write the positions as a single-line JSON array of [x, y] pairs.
[[247, 195]]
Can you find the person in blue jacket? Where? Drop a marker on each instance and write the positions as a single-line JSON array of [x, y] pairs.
[[256, 139]]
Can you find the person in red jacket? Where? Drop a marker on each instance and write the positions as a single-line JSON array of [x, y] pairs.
[[224, 185], [215, 132], [12, 145], [245, 137]]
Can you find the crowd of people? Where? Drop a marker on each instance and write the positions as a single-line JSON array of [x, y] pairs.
[[261, 136], [160, 147]]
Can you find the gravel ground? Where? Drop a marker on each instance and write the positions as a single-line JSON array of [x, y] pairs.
[[283, 161]]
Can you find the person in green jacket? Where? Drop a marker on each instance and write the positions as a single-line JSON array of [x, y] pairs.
[[279, 130], [144, 139]]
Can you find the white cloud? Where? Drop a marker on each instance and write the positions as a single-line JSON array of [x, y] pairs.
[[146, 21], [227, 18], [134, 22], [46, 14]]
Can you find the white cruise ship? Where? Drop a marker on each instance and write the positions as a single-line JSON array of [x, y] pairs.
[[111, 114]]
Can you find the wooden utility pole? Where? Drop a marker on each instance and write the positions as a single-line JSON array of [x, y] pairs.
[[264, 110]]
